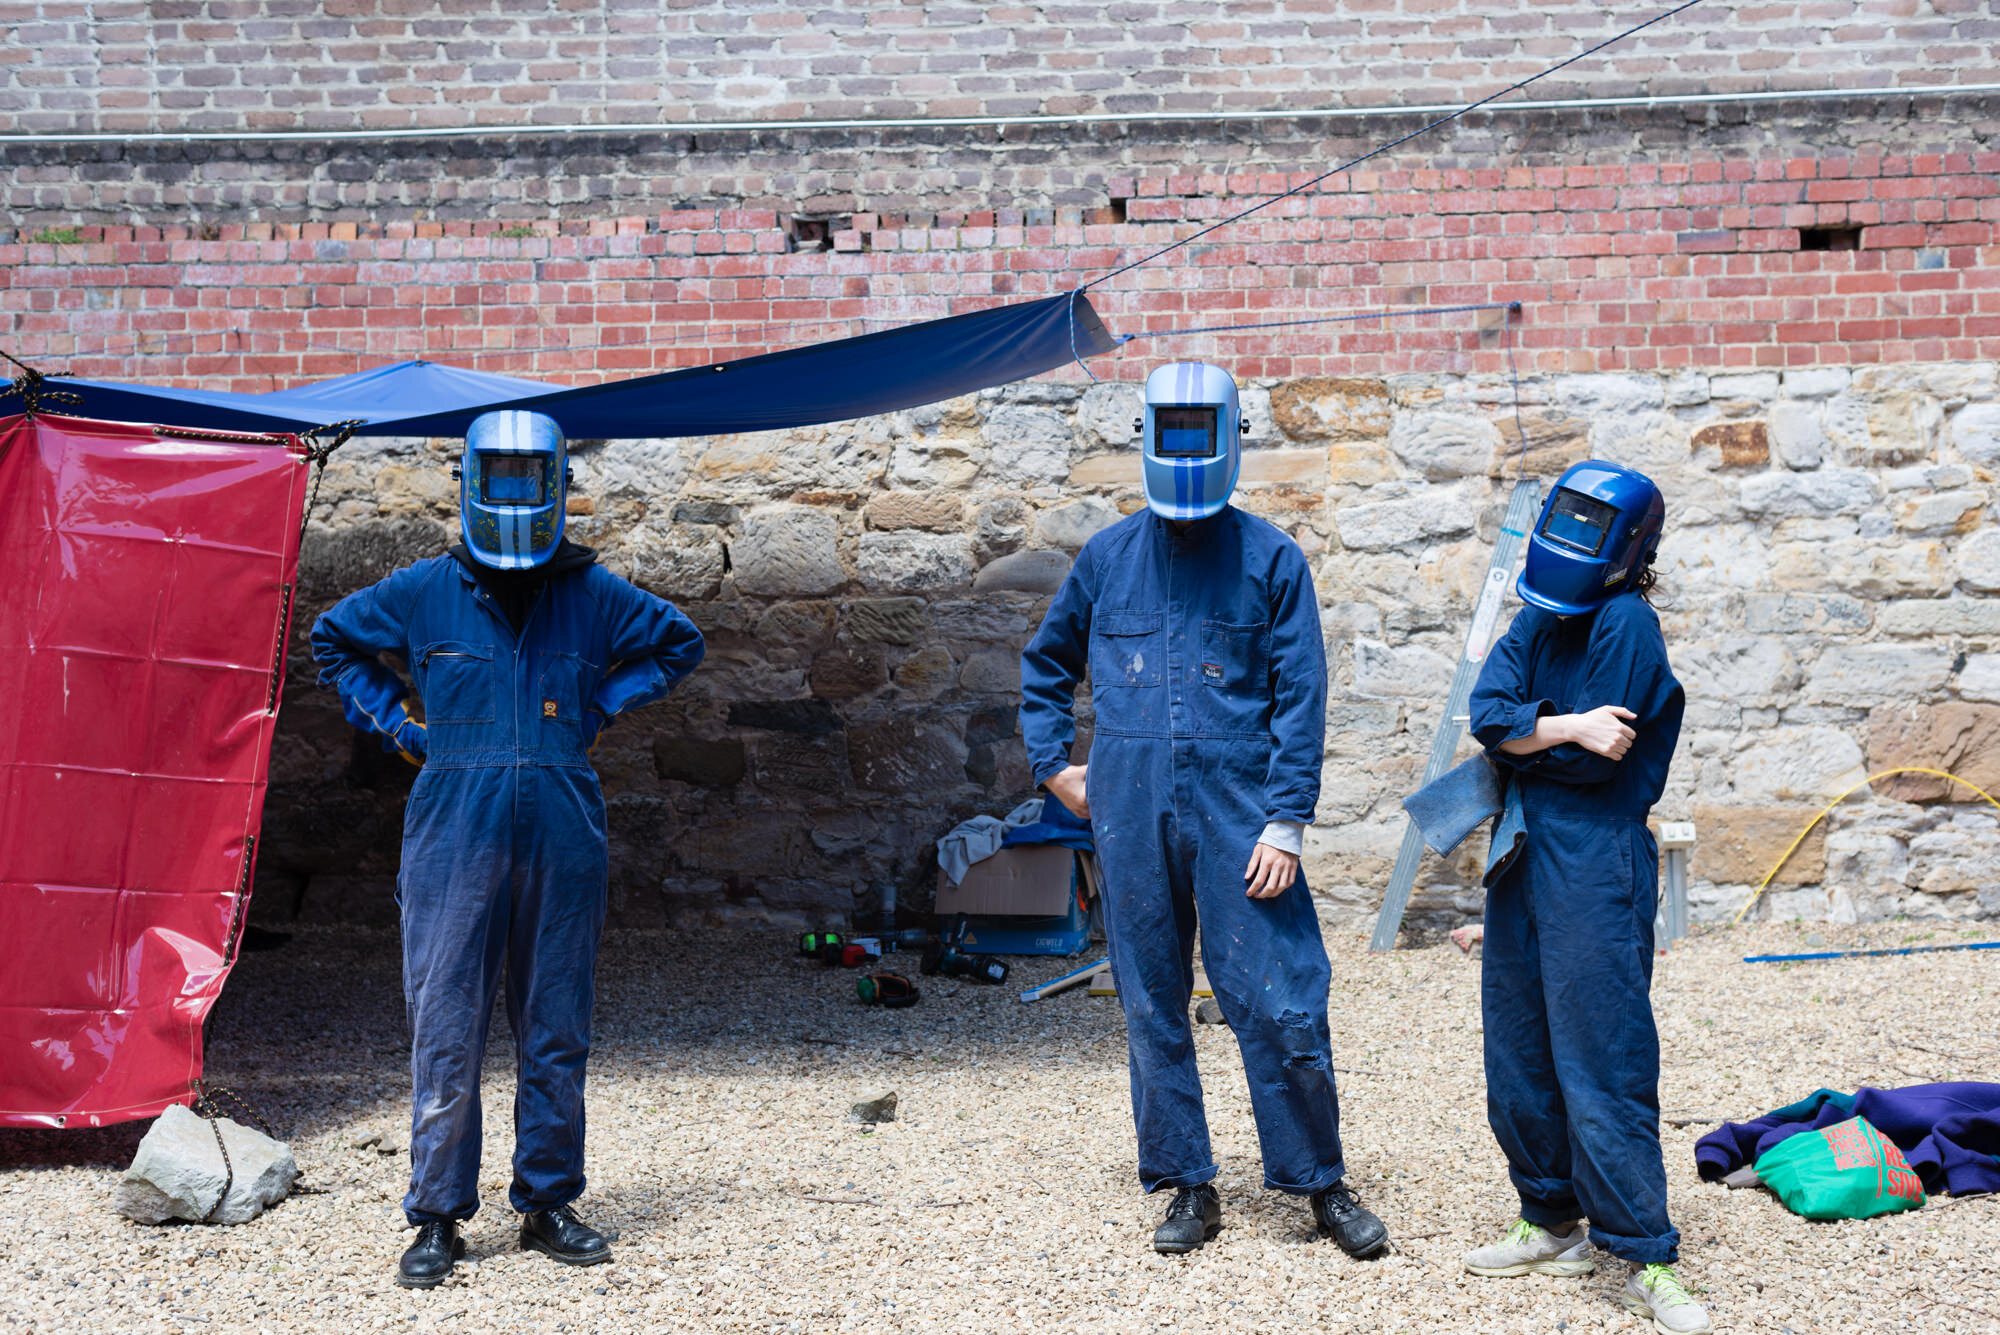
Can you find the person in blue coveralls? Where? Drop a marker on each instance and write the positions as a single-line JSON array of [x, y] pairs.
[[521, 647], [1578, 707], [1198, 628]]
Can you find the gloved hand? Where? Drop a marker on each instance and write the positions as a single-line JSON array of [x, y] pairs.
[[405, 736]]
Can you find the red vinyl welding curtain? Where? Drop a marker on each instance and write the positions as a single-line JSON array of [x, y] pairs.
[[145, 577]]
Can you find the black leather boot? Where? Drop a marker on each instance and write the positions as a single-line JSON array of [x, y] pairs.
[[1194, 1217], [428, 1261], [1338, 1212], [562, 1235]]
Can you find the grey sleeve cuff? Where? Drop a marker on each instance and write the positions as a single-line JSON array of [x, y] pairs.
[[1287, 836]]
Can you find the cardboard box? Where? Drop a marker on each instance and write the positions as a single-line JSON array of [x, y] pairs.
[[1020, 901], [1033, 881]]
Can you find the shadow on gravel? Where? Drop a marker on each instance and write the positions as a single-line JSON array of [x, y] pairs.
[[312, 1035]]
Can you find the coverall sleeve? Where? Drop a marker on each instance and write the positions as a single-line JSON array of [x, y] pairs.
[[347, 643], [1051, 667], [1627, 660], [1501, 708], [1298, 693], [653, 646]]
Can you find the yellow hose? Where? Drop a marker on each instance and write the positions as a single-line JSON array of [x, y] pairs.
[[1885, 774]]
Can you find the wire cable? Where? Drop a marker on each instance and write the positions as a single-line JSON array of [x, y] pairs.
[[1424, 129]]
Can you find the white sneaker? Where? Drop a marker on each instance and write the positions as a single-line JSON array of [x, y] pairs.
[[1529, 1249], [1654, 1292]]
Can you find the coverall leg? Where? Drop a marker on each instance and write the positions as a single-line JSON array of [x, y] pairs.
[[1174, 831], [1565, 988]]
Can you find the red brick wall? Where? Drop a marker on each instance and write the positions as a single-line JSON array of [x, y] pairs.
[[1620, 267]]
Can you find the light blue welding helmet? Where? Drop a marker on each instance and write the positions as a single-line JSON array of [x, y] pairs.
[[513, 487], [1192, 434], [1599, 529]]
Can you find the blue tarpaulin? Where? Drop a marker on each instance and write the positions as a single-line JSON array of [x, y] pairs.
[[821, 382]]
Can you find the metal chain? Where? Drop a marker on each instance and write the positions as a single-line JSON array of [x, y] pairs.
[[208, 1101]]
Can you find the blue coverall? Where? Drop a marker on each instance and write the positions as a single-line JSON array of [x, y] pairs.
[[1208, 681], [1572, 1056], [504, 855]]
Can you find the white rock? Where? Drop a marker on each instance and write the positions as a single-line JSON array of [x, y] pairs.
[[1039, 571], [1442, 445], [1799, 763], [1827, 492], [655, 469], [1719, 555], [1872, 674], [1942, 616], [1979, 560], [1686, 390], [1744, 669], [1382, 524], [908, 562], [1026, 447], [1979, 679], [179, 1172], [1108, 410], [1943, 512], [1070, 526], [1606, 395], [1975, 433], [1759, 385], [1796, 434], [1815, 382]]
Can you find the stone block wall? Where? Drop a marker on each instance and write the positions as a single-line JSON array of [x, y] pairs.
[[1830, 592]]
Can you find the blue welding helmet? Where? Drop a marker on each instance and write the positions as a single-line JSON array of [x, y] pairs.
[[1191, 432], [1599, 529], [513, 487]]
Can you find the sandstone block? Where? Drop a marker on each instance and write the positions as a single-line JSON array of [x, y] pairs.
[[1383, 524], [1787, 613], [849, 671], [1741, 444], [1715, 556], [1902, 429], [1876, 674], [1281, 466], [805, 625], [653, 470], [1444, 445], [1024, 572], [1736, 845], [927, 674], [1554, 442], [1798, 764], [1975, 433], [903, 756], [1402, 670], [902, 562], [936, 462], [1942, 616], [992, 672], [1867, 859], [1070, 526], [1831, 491], [1687, 389], [814, 765], [712, 764], [1956, 862], [1943, 380], [788, 550], [684, 562], [1742, 669], [1107, 470], [1979, 560], [888, 620], [933, 511], [1953, 736], [1332, 409]]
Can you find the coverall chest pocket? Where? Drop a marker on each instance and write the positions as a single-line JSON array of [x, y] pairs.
[[1126, 649], [458, 682], [563, 688], [1234, 668]]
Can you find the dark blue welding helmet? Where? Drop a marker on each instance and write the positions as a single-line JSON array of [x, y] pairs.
[[513, 488], [1599, 529]]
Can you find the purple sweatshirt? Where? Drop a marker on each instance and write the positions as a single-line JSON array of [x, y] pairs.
[[1950, 1133]]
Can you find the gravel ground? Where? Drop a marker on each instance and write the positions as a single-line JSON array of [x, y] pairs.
[[1004, 1198]]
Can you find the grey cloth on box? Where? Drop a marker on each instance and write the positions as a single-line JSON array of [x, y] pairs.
[[978, 839]]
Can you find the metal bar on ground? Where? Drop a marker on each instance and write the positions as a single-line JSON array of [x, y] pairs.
[[1522, 507]]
